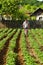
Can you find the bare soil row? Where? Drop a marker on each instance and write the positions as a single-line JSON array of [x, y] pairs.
[[19, 59], [3, 52], [32, 52]]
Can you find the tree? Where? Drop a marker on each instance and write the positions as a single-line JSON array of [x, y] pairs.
[[18, 7], [10, 7]]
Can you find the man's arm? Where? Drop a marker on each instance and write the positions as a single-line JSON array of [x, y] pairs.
[[28, 25]]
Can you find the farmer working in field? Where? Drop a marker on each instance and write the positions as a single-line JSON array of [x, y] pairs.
[[26, 26]]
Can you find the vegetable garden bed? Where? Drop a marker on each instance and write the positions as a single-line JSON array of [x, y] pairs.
[[16, 49]]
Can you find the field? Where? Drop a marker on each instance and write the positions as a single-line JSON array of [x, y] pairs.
[[16, 49]]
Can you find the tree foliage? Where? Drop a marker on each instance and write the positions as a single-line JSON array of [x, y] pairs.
[[19, 7]]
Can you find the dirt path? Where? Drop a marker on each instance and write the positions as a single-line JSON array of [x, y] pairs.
[[32, 52], [19, 59], [2, 25], [3, 52]]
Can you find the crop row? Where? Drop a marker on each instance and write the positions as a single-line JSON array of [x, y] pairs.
[[33, 36], [35, 44], [28, 60], [5, 33], [2, 42], [38, 36], [11, 55]]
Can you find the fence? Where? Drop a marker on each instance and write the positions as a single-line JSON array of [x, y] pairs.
[[18, 24]]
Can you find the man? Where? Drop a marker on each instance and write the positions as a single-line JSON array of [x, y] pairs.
[[26, 26]]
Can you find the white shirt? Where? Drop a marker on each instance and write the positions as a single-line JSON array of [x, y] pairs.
[[25, 24]]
